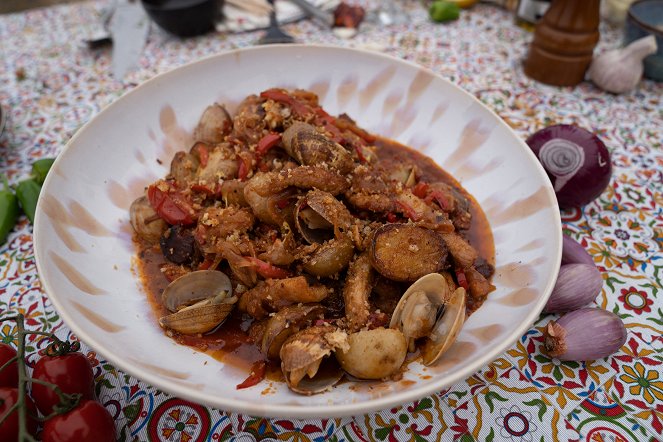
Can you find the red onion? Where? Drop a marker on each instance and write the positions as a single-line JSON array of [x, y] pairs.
[[577, 285], [576, 160], [574, 253], [584, 335]]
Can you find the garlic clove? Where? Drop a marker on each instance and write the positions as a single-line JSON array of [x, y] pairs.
[[574, 253], [577, 285], [620, 70], [584, 335]]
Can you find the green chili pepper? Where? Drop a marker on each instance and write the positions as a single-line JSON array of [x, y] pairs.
[[40, 168], [441, 11], [27, 192], [8, 210]]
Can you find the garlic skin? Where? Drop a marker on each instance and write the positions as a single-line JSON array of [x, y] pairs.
[[584, 335], [620, 70], [577, 285]]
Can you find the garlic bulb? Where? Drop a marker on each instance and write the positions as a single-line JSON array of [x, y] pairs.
[[620, 70]]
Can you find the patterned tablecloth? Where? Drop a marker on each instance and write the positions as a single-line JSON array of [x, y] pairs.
[[51, 84]]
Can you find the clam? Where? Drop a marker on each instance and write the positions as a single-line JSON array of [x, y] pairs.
[[145, 220], [318, 216], [284, 323], [305, 360], [200, 301], [373, 354], [432, 310], [309, 147]]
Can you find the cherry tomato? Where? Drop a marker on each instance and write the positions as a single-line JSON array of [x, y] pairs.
[[71, 372], [9, 428], [88, 422], [9, 375]]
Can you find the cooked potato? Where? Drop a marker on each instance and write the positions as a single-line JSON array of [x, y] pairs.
[[405, 252], [332, 257], [373, 354]]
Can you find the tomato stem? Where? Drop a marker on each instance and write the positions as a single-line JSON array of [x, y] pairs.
[[67, 401]]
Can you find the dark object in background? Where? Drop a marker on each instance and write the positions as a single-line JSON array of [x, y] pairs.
[[184, 18], [645, 17], [346, 16], [564, 42]]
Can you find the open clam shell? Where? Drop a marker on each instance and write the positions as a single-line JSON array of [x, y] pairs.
[[306, 352], [200, 300], [285, 323], [194, 287], [433, 310], [199, 318], [319, 215]]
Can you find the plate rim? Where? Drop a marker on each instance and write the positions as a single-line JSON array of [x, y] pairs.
[[287, 410]]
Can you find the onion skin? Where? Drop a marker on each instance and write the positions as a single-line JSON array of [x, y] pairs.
[[577, 285], [576, 161], [574, 253], [584, 335]]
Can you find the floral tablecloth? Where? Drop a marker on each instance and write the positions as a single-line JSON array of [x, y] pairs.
[[51, 84]]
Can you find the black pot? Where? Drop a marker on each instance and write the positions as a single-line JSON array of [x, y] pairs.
[[184, 18]]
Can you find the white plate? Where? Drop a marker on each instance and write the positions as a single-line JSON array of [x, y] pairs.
[[83, 239]]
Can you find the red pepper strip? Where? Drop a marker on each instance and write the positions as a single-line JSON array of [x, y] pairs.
[[257, 374], [244, 169], [421, 189], [297, 107], [462, 279], [267, 270], [320, 112], [337, 136], [344, 124], [203, 153], [267, 142], [360, 154], [409, 211], [207, 190], [391, 217], [207, 263], [171, 208], [283, 203]]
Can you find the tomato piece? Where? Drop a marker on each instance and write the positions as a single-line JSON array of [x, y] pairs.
[[441, 199], [9, 374], [408, 211], [280, 96], [9, 428], [257, 375], [267, 142], [391, 217], [420, 189], [171, 207], [243, 170], [462, 279], [203, 153], [267, 270], [71, 372], [87, 422]]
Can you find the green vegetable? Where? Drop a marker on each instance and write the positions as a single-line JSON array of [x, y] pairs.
[[441, 11], [27, 192], [8, 210], [40, 168]]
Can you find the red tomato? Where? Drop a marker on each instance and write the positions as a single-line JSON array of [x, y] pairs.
[[71, 372], [88, 422], [9, 375], [9, 428]]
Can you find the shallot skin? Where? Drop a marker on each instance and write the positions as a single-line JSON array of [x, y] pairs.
[[574, 253], [577, 285], [584, 335]]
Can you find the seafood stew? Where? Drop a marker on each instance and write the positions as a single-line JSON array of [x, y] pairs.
[[298, 244]]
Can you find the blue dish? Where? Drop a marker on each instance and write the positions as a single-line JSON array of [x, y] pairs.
[[645, 17]]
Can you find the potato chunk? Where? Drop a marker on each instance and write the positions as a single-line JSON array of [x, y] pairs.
[[405, 252]]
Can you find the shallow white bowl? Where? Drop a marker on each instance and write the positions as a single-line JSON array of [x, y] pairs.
[[83, 239]]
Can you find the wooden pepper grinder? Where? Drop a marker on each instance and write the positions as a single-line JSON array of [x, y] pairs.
[[564, 42]]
